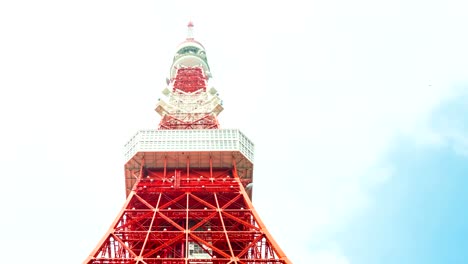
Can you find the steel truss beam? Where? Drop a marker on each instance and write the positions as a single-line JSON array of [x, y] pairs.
[[187, 215], [189, 106]]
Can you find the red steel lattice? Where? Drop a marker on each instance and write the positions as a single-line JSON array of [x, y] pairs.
[[185, 215], [189, 121], [192, 104], [190, 80]]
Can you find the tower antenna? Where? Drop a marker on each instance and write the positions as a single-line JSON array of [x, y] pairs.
[[190, 30]]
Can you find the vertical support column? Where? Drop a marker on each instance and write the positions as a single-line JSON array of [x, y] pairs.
[[211, 167], [187, 230], [177, 176], [234, 166], [188, 167], [165, 165], [142, 168]]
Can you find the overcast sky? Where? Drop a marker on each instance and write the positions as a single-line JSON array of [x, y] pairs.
[[358, 111]]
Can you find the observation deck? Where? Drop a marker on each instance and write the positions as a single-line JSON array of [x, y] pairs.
[[194, 148]]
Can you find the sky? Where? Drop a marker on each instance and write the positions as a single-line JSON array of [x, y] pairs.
[[358, 111]]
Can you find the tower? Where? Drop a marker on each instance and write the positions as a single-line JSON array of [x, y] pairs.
[[188, 183]]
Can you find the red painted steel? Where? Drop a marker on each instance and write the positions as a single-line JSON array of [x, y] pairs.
[[190, 121], [188, 215], [191, 215], [189, 80]]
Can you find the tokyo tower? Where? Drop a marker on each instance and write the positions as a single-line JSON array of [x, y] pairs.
[[188, 182]]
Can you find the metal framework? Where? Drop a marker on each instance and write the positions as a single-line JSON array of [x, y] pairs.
[[188, 184], [190, 105], [187, 215]]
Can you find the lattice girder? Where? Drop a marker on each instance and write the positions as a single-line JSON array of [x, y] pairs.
[[190, 106], [194, 216]]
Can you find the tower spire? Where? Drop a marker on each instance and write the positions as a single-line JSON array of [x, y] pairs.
[[190, 30]]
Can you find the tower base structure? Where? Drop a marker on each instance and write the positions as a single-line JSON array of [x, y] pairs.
[[188, 202]]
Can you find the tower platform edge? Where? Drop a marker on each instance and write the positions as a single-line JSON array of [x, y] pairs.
[[199, 148]]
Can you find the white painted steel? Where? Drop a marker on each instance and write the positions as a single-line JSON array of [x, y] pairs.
[[198, 140]]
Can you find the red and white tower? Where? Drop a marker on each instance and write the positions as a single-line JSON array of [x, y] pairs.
[[188, 182]]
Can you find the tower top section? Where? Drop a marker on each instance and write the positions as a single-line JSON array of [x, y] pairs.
[[190, 53], [190, 30], [191, 103]]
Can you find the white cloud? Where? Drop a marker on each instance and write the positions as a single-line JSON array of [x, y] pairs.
[[322, 91], [448, 124]]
